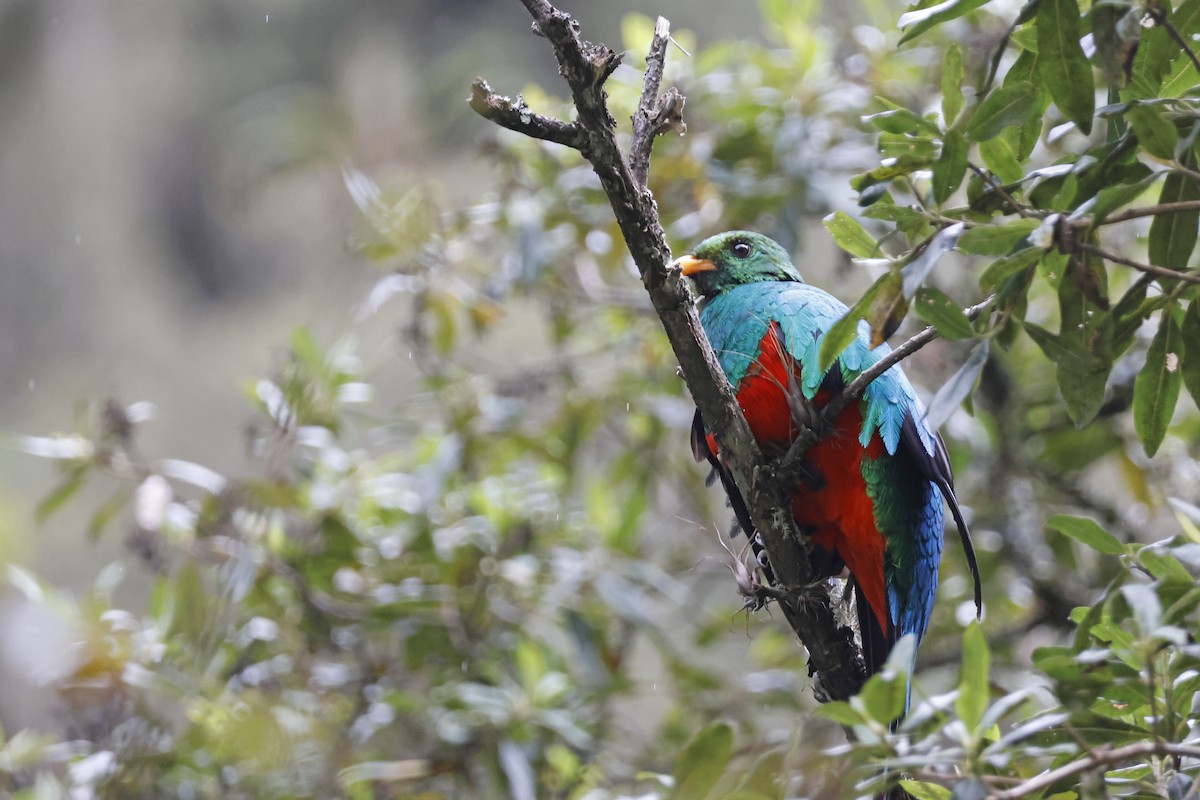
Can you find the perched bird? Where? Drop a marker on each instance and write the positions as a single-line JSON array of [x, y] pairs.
[[872, 492]]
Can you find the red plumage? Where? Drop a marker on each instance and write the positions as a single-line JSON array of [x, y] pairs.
[[836, 511]]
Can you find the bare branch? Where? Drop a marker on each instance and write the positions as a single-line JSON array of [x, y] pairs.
[[834, 658], [584, 66], [655, 115], [516, 116], [1150, 211], [1149, 269]]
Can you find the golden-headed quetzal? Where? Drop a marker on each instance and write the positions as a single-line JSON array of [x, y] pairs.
[[873, 488]]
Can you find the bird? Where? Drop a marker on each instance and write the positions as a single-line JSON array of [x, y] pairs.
[[872, 491]]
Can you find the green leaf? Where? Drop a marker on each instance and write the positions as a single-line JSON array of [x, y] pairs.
[[1110, 198], [884, 695], [72, 482], [1183, 606], [1164, 566], [1156, 389], [841, 333], [1155, 134], [106, 513], [1115, 166], [1023, 138], [909, 221], [763, 779], [898, 119], [925, 791], [1086, 334], [845, 330], [1002, 269], [1071, 449], [904, 165], [922, 19], [1005, 106], [1048, 343], [1173, 236], [1144, 603], [901, 215], [1182, 78], [950, 167], [952, 80], [703, 762], [306, 350], [1095, 729], [973, 677], [1088, 532], [916, 271], [1157, 50], [25, 751], [841, 712], [1131, 312], [904, 145], [1082, 383], [1115, 30], [1190, 336], [1001, 158], [849, 235], [997, 240], [187, 602], [954, 391], [887, 309], [943, 313], [1065, 70]]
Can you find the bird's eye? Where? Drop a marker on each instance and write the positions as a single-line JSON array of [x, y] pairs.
[[741, 249]]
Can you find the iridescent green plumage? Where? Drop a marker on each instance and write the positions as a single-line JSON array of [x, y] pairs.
[[877, 501]]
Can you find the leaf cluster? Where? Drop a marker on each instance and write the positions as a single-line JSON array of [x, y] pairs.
[[463, 567]]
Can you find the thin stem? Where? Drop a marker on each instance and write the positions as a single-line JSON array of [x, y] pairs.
[[1181, 41], [516, 116], [792, 460], [1099, 757], [1150, 269], [856, 387], [1150, 211], [994, 63], [655, 115], [1000, 190]]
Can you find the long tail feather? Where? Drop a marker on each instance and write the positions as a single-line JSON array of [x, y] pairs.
[[936, 468]]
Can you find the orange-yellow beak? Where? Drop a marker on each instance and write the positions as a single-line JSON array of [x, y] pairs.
[[690, 265]]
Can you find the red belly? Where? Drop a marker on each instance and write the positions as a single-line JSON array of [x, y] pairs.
[[836, 510]]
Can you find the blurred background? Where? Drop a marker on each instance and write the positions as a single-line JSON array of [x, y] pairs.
[[173, 200], [475, 537], [174, 205]]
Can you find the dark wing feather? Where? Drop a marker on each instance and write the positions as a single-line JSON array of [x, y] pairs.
[[876, 644], [936, 469], [703, 452]]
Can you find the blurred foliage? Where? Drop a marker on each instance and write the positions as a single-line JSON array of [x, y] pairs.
[[484, 591]]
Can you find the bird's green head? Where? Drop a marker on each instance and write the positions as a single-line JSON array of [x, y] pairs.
[[733, 258]]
